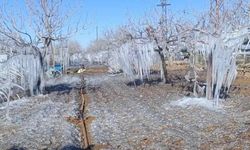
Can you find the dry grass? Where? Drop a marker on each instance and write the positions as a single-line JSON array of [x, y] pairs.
[[96, 70]]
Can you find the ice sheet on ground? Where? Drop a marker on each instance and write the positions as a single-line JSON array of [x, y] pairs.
[[197, 102]]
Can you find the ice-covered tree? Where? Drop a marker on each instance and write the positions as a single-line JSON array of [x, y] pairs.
[[168, 34], [146, 42], [11, 77], [131, 50], [36, 28], [219, 37]]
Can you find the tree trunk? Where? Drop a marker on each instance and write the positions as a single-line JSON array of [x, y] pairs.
[[40, 82], [209, 89], [53, 54], [164, 67], [244, 62]]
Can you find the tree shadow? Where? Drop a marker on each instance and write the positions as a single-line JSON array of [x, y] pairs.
[[61, 88], [71, 147], [17, 148], [150, 82], [67, 147]]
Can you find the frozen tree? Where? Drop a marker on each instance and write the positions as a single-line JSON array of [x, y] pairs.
[[46, 23], [98, 50], [63, 53], [52, 23], [11, 77], [103, 50], [136, 58], [168, 36], [102, 44], [145, 41], [219, 38], [129, 51], [74, 47]]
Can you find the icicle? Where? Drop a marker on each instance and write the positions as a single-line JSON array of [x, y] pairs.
[[224, 49], [136, 59]]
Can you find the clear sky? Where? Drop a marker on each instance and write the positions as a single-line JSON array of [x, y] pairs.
[[107, 14]]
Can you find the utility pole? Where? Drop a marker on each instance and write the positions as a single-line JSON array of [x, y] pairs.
[[164, 31], [97, 33], [164, 4]]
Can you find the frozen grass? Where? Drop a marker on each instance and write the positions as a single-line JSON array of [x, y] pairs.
[[63, 80], [39, 122]]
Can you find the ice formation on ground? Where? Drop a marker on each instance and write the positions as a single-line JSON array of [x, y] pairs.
[[199, 102]]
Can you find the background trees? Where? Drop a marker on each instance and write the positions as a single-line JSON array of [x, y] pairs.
[[45, 24], [218, 34]]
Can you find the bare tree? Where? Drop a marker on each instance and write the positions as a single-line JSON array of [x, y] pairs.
[[74, 47], [51, 23], [167, 36]]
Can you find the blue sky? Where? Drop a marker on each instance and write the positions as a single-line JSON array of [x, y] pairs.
[[107, 14]]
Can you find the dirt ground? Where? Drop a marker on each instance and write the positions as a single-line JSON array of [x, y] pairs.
[[144, 117], [128, 117]]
